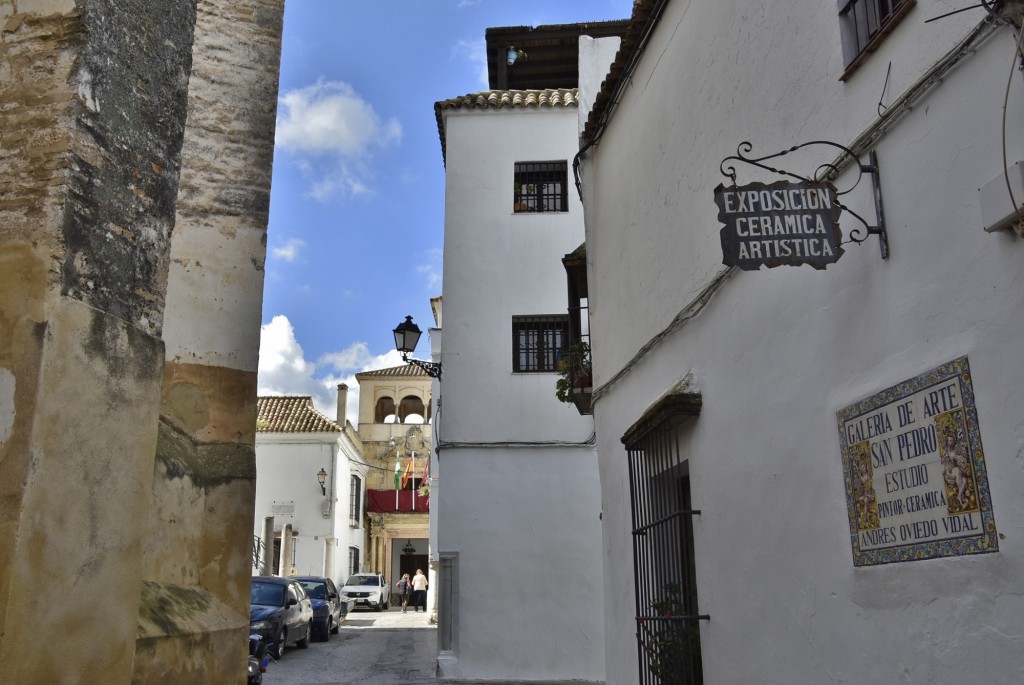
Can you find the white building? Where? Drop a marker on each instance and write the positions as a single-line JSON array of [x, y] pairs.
[[757, 397], [295, 444], [518, 517]]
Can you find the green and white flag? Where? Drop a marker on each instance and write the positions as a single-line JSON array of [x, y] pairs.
[[398, 472]]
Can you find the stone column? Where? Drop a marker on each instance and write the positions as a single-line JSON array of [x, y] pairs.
[[268, 546], [284, 562], [196, 565]]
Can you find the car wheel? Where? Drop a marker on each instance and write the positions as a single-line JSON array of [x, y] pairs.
[[304, 642], [278, 649], [379, 606], [325, 635], [335, 627]]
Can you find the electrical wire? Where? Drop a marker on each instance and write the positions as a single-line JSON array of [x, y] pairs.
[[681, 319], [1006, 102]]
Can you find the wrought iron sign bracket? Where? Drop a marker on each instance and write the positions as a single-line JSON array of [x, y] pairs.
[[433, 369], [826, 172]]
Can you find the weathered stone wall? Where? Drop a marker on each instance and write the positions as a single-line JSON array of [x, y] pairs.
[[126, 482], [200, 541], [94, 102]]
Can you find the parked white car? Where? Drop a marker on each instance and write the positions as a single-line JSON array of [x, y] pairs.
[[367, 589]]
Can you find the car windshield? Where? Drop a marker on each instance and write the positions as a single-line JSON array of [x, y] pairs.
[[363, 580], [269, 594], [314, 589]]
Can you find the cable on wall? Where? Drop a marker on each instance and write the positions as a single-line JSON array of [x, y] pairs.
[[688, 312]]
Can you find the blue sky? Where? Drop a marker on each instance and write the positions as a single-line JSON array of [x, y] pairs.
[[357, 201]]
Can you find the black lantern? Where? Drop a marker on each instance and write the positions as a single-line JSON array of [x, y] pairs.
[[407, 335], [321, 477]]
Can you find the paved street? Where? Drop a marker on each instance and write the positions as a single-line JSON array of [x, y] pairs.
[[386, 648]]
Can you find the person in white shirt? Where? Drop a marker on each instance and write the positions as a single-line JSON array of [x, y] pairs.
[[419, 590]]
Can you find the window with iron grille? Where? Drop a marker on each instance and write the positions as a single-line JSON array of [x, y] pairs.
[[538, 342], [664, 561], [355, 503], [353, 560], [863, 24], [541, 187]]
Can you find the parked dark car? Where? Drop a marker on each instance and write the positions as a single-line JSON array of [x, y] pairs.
[[281, 612], [328, 608]]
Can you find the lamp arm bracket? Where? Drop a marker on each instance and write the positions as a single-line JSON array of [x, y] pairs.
[[433, 369], [828, 171]]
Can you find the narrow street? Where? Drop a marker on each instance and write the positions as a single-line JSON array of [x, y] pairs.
[[371, 648]]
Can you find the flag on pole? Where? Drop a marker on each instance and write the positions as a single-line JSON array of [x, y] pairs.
[[408, 471], [426, 470], [398, 472]]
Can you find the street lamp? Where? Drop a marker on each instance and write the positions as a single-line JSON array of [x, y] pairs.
[[407, 334], [321, 477]]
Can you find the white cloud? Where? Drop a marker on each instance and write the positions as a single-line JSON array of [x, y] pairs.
[[329, 117], [431, 269], [288, 252], [283, 369], [333, 134], [474, 52]]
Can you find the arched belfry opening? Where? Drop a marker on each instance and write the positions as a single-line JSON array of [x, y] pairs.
[[385, 408], [412, 407]]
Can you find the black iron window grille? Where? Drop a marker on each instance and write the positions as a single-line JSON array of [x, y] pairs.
[[353, 560], [541, 187], [355, 501], [863, 23], [664, 561], [538, 342]]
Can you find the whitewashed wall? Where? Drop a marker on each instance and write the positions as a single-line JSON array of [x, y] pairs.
[[777, 353], [524, 521], [286, 468]]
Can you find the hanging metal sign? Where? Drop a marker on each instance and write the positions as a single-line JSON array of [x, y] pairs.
[[914, 470], [792, 223], [782, 223]]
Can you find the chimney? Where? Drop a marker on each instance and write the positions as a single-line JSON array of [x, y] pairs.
[[342, 401]]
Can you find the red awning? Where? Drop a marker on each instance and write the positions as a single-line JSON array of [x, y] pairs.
[[383, 501]]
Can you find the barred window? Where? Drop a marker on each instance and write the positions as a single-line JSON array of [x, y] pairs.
[[864, 23], [353, 560], [355, 501], [538, 342], [540, 187], [664, 560]]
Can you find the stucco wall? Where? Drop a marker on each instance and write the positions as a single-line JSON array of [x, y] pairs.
[[777, 352], [499, 264], [525, 524], [523, 520]]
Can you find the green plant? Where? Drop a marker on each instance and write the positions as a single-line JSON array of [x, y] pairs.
[[667, 638], [574, 371]]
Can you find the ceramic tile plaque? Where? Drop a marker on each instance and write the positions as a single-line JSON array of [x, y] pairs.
[[914, 470]]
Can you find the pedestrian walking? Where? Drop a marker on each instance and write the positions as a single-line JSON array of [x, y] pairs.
[[419, 590], [404, 586]]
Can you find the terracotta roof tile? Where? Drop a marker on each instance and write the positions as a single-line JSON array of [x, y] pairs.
[[291, 414], [504, 99], [646, 14], [406, 370]]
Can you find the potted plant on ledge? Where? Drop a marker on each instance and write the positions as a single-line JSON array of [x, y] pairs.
[[575, 377]]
